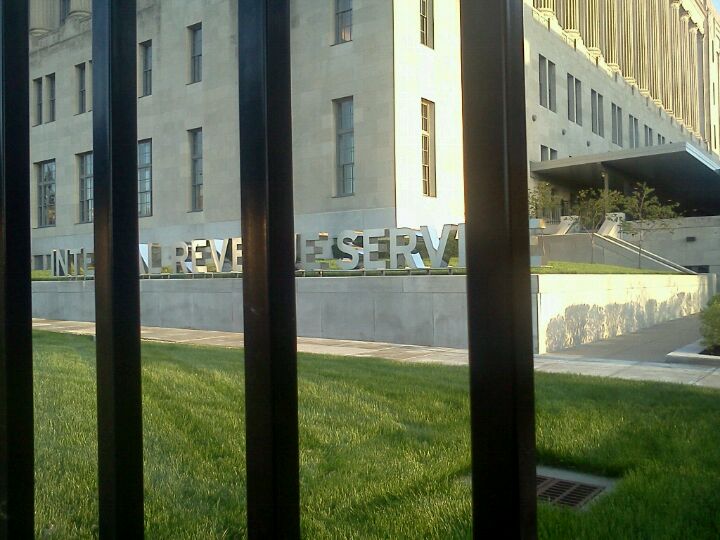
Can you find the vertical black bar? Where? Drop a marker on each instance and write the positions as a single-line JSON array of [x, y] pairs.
[[16, 387], [117, 290], [268, 269], [498, 281]]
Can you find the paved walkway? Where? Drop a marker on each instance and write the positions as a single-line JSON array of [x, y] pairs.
[[610, 360]]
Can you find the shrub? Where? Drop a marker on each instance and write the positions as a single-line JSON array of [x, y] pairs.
[[710, 323]]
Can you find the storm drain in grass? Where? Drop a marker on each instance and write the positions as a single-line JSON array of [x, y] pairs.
[[568, 488]]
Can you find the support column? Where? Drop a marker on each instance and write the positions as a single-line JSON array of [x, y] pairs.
[[627, 42], [675, 51], [81, 9], [591, 27], [546, 7], [683, 75], [571, 19], [610, 46], [655, 60], [694, 97], [643, 43], [44, 17]]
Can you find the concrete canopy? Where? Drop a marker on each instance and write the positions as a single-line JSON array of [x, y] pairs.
[[679, 171]]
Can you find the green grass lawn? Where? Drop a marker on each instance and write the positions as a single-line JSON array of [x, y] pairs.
[[384, 448], [563, 267]]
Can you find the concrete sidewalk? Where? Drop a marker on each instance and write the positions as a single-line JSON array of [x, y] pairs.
[[706, 376]]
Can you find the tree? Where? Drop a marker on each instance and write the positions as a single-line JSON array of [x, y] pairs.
[[591, 207], [645, 211], [542, 199]]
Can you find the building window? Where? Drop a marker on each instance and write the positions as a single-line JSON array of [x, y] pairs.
[[64, 10], [51, 97], [634, 132], [85, 162], [81, 88], [660, 139], [46, 193], [427, 109], [343, 21], [598, 113], [427, 23], [196, 162], [547, 153], [345, 127], [574, 88], [649, 135], [146, 57], [195, 53], [38, 89], [547, 84], [145, 178], [617, 125]]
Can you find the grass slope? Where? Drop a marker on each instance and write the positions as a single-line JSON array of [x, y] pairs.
[[563, 267], [384, 448]]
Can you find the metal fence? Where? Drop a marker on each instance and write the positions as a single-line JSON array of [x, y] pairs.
[[501, 376]]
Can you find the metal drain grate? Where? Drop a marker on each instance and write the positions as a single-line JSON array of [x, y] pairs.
[[565, 492]]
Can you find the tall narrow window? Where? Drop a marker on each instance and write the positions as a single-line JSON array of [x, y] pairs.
[[85, 166], [343, 21], [598, 113], [196, 53], [145, 178], [649, 136], [38, 88], [633, 131], [427, 23], [146, 56], [617, 125], [46, 193], [427, 109], [51, 97], [196, 162], [345, 126], [574, 88], [547, 84], [64, 10], [81, 88]]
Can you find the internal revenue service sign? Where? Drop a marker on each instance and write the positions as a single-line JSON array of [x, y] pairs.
[[372, 249]]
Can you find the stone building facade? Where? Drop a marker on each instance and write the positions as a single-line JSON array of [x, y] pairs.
[[376, 106]]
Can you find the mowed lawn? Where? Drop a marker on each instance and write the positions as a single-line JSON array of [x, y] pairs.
[[384, 448]]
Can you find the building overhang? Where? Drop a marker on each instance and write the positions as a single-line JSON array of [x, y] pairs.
[[679, 171]]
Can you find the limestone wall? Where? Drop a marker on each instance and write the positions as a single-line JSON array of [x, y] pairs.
[[417, 310]]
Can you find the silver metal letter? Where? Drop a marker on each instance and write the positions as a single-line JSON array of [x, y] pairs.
[[236, 255], [403, 250], [181, 250], [462, 261], [436, 248], [348, 249], [371, 249], [219, 250], [197, 255]]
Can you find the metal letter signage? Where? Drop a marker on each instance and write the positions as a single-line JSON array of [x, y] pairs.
[[372, 249]]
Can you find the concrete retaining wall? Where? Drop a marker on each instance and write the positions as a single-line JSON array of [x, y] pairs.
[[578, 309], [418, 310]]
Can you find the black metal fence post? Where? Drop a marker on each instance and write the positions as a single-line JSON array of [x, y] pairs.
[[498, 281], [268, 269], [117, 289], [16, 385]]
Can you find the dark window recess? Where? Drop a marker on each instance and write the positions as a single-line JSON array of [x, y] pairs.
[[691, 239]]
